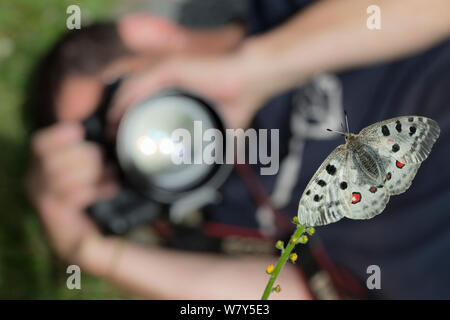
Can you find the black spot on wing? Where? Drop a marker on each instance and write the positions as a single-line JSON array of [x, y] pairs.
[[385, 130], [331, 169], [398, 126]]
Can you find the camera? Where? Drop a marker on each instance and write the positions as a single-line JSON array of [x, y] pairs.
[[151, 184]]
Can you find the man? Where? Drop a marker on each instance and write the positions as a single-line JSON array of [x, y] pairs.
[[324, 37]]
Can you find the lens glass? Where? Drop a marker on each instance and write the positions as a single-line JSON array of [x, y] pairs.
[[145, 144]]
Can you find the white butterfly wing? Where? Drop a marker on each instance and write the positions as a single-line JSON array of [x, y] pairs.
[[406, 142], [406, 139], [322, 202], [398, 180], [364, 200], [335, 191]]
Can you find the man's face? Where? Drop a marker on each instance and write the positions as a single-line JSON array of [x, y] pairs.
[[150, 40], [80, 95]]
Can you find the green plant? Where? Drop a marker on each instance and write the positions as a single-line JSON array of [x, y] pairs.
[[300, 235]]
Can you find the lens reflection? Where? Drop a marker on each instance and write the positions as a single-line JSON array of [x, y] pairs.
[[146, 145], [145, 142]]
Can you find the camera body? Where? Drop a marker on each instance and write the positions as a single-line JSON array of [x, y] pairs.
[[150, 185]]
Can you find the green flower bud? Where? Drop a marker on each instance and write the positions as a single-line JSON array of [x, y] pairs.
[[293, 257], [303, 239], [311, 231], [279, 245]]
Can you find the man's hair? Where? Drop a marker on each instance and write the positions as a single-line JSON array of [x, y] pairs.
[[84, 52]]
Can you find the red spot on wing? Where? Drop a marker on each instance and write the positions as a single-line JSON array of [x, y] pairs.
[[356, 197], [399, 164]]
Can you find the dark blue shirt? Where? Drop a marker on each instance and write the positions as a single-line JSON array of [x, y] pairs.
[[410, 240]]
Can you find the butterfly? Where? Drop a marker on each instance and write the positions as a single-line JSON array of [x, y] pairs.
[[357, 179]]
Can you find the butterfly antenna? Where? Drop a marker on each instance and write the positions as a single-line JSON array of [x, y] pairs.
[[341, 133], [346, 122]]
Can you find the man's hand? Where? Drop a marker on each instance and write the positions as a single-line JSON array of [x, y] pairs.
[[234, 81], [65, 177], [149, 34]]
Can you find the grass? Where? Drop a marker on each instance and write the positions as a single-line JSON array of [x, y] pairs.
[[28, 269]]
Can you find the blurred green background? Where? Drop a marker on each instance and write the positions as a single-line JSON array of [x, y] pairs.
[[28, 268]]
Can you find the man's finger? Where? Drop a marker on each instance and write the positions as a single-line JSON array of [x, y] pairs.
[[76, 178], [84, 197], [85, 154], [135, 89], [146, 33], [56, 137]]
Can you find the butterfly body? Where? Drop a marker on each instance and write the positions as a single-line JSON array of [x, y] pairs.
[[358, 178], [366, 160]]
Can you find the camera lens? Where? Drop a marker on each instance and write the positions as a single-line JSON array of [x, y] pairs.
[[146, 148]]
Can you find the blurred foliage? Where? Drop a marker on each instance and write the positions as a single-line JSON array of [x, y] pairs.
[[28, 269]]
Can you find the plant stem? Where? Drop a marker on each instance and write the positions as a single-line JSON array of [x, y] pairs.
[[284, 256]]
